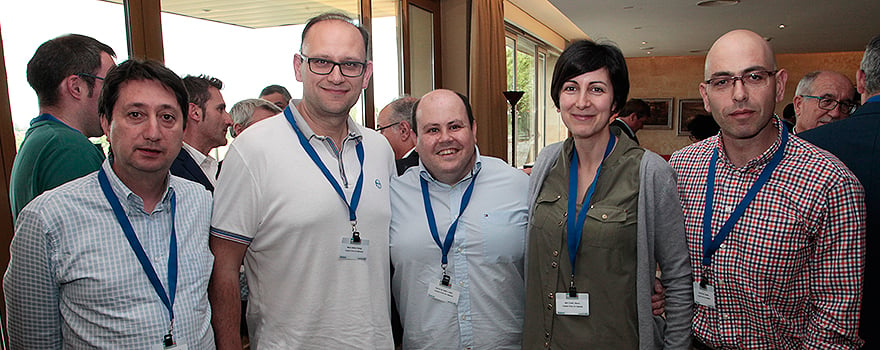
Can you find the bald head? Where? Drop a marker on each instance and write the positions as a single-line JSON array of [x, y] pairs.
[[737, 43], [744, 88]]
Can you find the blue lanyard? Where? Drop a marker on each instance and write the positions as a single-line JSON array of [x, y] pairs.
[[356, 196], [167, 299], [576, 219], [432, 222], [873, 99], [51, 118], [710, 245]]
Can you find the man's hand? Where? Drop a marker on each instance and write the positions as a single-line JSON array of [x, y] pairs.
[[658, 299]]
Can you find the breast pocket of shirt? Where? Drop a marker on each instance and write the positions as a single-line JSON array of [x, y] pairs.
[[504, 235], [608, 227]]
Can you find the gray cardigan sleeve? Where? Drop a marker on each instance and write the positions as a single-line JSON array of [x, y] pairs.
[[661, 227]]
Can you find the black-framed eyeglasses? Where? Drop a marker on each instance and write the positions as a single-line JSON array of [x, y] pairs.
[[380, 128], [90, 76], [829, 104], [321, 66], [758, 78]]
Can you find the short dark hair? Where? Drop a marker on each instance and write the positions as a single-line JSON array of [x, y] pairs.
[[637, 106], [134, 69], [702, 126], [197, 88], [464, 100], [788, 113], [584, 56], [60, 58], [331, 16], [271, 89]]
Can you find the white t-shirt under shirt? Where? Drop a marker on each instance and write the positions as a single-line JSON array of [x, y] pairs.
[[272, 196]]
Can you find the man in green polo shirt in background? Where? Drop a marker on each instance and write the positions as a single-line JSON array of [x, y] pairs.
[[67, 74]]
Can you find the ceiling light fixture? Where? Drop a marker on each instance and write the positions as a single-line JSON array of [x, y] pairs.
[[781, 26], [646, 48], [717, 3], [644, 42]]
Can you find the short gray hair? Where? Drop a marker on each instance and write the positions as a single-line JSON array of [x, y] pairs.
[[805, 86], [243, 111], [871, 66], [402, 110]]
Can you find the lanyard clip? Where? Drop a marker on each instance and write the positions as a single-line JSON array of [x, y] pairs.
[[704, 278], [572, 291], [168, 341], [355, 235], [445, 280]]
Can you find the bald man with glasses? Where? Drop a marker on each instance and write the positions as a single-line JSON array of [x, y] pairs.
[[775, 226]]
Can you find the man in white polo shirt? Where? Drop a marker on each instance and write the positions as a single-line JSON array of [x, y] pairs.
[[310, 214]]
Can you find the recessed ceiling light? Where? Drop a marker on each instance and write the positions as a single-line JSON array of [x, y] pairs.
[[648, 52], [646, 48], [717, 3], [781, 26], [644, 42]]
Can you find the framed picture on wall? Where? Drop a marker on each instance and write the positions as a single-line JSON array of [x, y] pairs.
[[661, 113], [687, 109]]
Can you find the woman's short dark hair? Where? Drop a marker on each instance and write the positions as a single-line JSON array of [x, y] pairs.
[[585, 56], [134, 69]]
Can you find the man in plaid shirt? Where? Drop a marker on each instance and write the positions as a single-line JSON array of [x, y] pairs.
[[775, 225]]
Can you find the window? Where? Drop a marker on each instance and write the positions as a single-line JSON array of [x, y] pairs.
[[535, 122], [250, 46], [27, 24]]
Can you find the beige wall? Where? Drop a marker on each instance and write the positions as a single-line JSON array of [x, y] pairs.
[[454, 47], [679, 77]]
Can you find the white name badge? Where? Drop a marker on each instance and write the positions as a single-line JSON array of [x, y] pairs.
[[175, 347], [353, 251], [573, 306], [704, 296], [443, 293]]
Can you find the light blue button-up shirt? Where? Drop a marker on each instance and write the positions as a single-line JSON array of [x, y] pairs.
[[485, 261], [74, 281]]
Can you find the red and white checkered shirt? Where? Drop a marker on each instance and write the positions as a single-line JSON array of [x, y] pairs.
[[789, 274]]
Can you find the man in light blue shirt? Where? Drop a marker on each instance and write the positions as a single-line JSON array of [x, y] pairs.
[[118, 258], [458, 226]]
